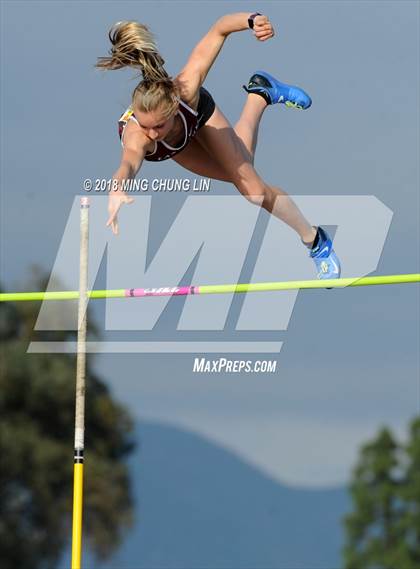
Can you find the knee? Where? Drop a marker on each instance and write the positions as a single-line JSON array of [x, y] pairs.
[[256, 192], [255, 199], [250, 185]]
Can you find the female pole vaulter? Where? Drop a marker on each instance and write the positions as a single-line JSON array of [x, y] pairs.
[[178, 118]]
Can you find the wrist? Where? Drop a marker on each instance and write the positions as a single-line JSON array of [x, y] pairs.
[[231, 23], [251, 19]]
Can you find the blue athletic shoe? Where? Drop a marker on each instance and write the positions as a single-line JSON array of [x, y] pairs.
[[323, 254], [273, 91]]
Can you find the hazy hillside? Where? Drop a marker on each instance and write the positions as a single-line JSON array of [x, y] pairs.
[[199, 506]]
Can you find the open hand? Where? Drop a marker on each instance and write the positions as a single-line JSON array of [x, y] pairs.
[[115, 201], [263, 29]]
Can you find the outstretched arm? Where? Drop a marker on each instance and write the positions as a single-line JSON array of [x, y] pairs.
[[205, 52], [134, 151]]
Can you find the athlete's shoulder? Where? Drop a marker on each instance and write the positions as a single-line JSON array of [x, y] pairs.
[[131, 134], [188, 91]]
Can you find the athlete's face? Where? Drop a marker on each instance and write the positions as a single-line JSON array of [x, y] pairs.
[[155, 124]]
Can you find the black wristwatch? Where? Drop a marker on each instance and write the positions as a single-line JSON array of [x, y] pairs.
[[251, 19]]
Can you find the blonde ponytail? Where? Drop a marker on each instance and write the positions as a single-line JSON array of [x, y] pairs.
[[133, 45]]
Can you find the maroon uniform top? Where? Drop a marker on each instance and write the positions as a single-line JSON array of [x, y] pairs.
[[163, 150]]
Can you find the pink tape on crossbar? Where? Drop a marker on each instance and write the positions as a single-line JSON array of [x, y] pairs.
[[164, 291]]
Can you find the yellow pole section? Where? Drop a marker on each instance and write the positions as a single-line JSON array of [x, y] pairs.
[[76, 549], [59, 295], [293, 285]]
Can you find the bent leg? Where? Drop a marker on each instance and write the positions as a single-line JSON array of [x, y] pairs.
[[248, 124], [220, 141]]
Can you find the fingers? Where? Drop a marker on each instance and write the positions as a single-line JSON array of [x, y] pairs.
[[113, 209], [260, 20], [113, 212], [264, 33], [265, 38], [263, 29], [113, 222]]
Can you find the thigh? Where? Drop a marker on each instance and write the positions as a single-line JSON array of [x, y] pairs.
[[196, 159], [220, 141]]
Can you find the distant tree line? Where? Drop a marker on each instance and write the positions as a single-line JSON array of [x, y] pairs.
[[37, 394], [383, 531]]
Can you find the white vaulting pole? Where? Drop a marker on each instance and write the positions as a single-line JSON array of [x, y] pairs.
[[79, 432]]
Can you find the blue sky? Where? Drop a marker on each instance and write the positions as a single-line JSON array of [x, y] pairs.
[[350, 362]]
